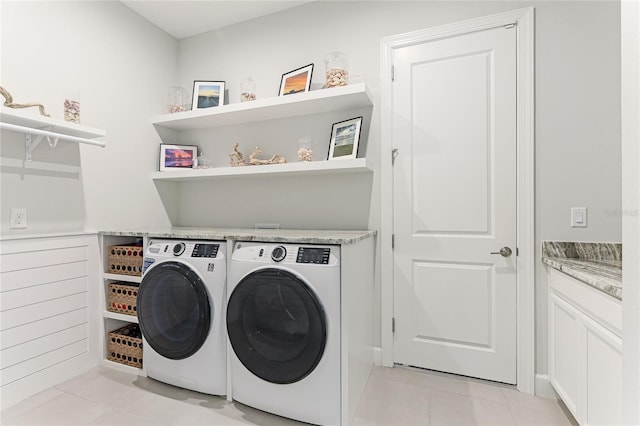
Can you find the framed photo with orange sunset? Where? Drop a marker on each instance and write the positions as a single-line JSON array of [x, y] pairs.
[[296, 81], [177, 157]]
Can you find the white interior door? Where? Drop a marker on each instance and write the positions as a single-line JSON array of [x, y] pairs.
[[454, 128]]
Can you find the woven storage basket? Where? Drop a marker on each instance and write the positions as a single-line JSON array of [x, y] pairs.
[[125, 260], [125, 346], [122, 298]]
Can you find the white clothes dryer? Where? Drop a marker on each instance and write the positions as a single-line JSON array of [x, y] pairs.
[[181, 308], [283, 323]]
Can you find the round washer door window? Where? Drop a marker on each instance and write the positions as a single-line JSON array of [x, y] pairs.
[[276, 326], [173, 310]]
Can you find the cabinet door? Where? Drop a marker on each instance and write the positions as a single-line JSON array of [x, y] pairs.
[[603, 397], [565, 355]]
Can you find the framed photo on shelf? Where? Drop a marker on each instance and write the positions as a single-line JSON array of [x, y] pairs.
[[345, 138], [296, 81], [207, 94], [177, 157]]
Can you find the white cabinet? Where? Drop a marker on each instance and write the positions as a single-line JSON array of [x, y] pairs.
[[564, 370], [282, 111], [585, 350], [602, 393]]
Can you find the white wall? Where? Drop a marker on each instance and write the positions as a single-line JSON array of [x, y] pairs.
[[630, 27], [577, 113], [121, 65]]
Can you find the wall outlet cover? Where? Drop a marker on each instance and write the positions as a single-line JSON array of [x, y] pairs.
[[18, 218]]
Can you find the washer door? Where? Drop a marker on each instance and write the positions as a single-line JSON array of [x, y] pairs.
[[276, 325], [174, 310]]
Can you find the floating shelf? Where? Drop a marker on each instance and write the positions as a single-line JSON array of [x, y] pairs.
[[315, 102], [356, 165]]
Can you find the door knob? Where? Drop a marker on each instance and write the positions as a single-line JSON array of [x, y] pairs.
[[504, 252]]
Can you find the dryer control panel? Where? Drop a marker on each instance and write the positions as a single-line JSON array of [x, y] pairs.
[[205, 250], [307, 255], [317, 255]]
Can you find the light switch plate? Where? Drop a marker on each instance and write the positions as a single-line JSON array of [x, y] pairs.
[[578, 217]]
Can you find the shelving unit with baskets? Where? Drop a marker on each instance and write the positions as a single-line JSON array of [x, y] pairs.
[[122, 257]]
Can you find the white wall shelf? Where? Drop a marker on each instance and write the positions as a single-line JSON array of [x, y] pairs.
[[121, 317], [356, 165], [121, 277], [315, 102], [46, 127]]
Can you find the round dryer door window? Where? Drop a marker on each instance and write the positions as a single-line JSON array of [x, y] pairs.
[[276, 326], [173, 310]]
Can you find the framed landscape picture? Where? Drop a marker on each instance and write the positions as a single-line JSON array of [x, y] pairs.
[[296, 81], [177, 157], [345, 138], [207, 94]]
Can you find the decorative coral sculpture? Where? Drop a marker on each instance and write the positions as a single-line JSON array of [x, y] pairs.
[[236, 158], [275, 159]]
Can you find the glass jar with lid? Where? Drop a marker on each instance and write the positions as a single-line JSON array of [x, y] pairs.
[[247, 90], [305, 149], [336, 66], [177, 99]]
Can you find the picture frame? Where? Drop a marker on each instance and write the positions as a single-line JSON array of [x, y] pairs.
[[207, 94], [345, 139], [296, 81], [177, 157]]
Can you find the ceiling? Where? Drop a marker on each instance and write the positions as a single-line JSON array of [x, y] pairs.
[[186, 18]]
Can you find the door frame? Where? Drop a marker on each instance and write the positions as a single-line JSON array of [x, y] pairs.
[[525, 260]]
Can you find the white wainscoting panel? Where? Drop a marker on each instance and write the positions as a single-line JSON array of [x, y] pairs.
[[48, 312]]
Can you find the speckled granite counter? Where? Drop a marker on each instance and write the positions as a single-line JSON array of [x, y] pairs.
[[295, 236], [596, 264]]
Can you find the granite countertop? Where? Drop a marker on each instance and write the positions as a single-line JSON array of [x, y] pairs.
[[295, 236], [596, 264]]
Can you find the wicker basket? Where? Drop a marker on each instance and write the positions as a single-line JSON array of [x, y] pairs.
[[125, 346], [122, 298], [125, 260]]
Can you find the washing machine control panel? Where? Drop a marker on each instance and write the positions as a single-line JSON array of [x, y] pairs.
[[205, 250], [185, 249], [317, 255]]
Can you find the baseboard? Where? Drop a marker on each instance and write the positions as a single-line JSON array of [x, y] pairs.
[[544, 388], [377, 356]]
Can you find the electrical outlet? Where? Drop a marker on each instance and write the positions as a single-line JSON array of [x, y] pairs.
[[18, 218]]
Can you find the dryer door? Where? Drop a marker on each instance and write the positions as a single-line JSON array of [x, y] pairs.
[[276, 325], [173, 310]]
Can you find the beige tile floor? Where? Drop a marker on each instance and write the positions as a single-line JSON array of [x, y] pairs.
[[393, 396]]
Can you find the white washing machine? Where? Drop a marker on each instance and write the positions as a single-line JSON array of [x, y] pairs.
[[181, 311], [283, 323]]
